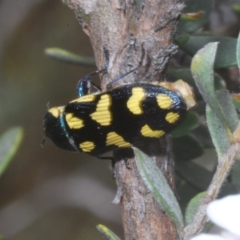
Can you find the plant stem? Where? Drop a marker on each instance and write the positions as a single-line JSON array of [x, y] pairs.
[[225, 164]]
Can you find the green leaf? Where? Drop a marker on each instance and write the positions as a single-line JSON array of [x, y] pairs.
[[191, 24], [157, 184], [236, 8], [219, 133], [219, 82], [235, 175], [107, 233], [226, 53], [2, 238], [236, 100], [228, 109], [185, 127], [194, 174], [181, 38], [201, 133], [9, 144], [193, 207], [66, 56], [238, 51], [202, 70], [186, 148]]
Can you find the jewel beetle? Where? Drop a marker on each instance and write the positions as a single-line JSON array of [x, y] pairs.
[[122, 117]]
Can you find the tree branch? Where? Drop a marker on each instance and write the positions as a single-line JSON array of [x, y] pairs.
[[125, 28]]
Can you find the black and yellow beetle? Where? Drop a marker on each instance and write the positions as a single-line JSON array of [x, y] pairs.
[[122, 117]]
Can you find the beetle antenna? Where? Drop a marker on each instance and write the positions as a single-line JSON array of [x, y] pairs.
[[133, 70], [48, 105], [43, 141]]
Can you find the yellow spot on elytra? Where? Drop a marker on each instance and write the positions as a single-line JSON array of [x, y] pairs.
[[148, 132], [86, 98], [56, 111], [87, 146], [74, 122], [172, 117], [135, 101], [115, 139], [164, 101], [102, 115]]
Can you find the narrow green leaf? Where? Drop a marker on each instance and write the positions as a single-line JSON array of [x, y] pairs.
[[66, 56], [107, 233], [202, 70], [219, 82], [236, 100], [226, 52], [185, 127], [157, 184], [9, 144], [2, 238], [200, 9], [193, 207], [219, 133], [194, 174], [228, 108], [238, 51], [192, 16], [181, 38], [186, 148], [235, 175], [201, 133], [236, 8]]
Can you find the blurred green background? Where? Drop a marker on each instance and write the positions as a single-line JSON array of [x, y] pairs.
[[46, 193]]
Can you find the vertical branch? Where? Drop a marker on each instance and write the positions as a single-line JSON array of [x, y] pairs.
[[142, 216], [224, 166], [125, 28]]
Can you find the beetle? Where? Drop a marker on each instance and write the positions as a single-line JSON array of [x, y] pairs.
[[95, 123]]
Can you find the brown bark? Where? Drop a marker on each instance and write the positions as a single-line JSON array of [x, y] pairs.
[[125, 28], [142, 216]]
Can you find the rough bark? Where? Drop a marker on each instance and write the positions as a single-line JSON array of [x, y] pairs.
[[125, 28]]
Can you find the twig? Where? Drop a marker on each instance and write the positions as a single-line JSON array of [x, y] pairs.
[[225, 164]]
